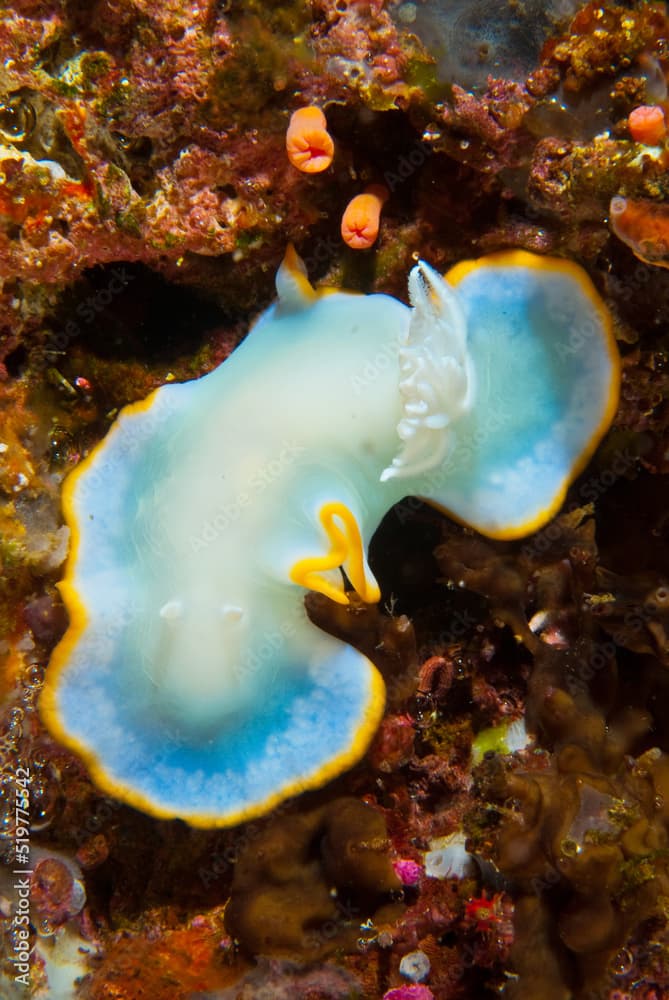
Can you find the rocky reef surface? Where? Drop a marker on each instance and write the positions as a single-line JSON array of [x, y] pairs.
[[508, 832]]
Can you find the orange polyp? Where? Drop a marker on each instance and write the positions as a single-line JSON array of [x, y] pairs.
[[647, 124], [309, 145], [644, 226], [360, 222]]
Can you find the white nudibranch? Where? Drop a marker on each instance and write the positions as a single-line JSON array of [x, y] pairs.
[[190, 679]]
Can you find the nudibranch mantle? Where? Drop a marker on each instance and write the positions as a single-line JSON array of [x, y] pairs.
[[190, 679]]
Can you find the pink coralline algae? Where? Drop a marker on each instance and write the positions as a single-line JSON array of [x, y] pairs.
[[408, 872], [413, 992], [360, 44], [148, 149], [393, 745]]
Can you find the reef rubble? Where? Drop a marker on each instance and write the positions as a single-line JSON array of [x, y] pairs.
[[508, 831]]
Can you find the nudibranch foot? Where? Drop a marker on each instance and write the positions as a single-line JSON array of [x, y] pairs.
[[316, 723]]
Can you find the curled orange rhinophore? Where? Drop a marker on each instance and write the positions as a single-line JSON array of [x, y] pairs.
[[360, 222], [309, 145]]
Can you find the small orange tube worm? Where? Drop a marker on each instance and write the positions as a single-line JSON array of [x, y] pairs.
[[308, 143], [360, 222], [647, 124]]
